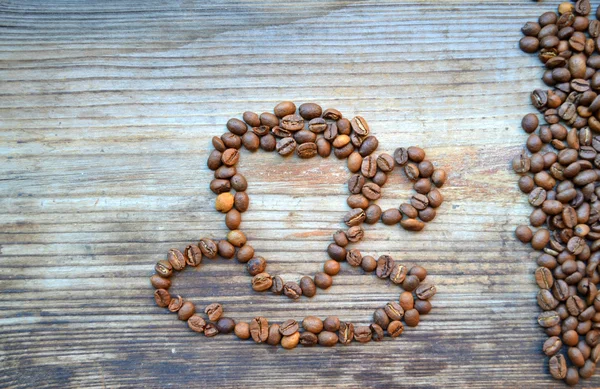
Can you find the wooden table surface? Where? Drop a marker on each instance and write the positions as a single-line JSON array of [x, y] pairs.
[[107, 110]]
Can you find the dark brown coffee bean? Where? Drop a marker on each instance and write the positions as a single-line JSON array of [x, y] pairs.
[[537, 197], [308, 339], [268, 143], [355, 234], [332, 114], [356, 183], [354, 217], [546, 300], [543, 277], [529, 44], [277, 286], [317, 125], [323, 280], [360, 126], [412, 171], [259, 329], [381, 318], [410, 283], [225, 172], [196, 323], [558, 366], [368, 263], [269, 120], [310, 111], [218, 144], [231, 141], [210, 330], [292, 123], [548, 319], [288, 327], [412, 224], [214, 160], [369, 166], [385, 264], [391, 216], [354, 257], [225, 325], [362, 334], [307, 150], [292, 290], [425, 292], [308, 286], [371, 191], [241, 201], [274, 337], [394, 311], [343, 152], [368, 146], [164, 269], [323, 147], [286, 146], [305, 136], [280, 132], [159, 282], [336, 252], [372, 214], [401, 156], [385, 162], [225, 249]]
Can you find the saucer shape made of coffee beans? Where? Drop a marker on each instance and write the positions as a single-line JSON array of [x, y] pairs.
[[309, 131]]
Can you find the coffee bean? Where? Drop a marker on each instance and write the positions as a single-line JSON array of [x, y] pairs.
[[372, 214], [548, 319], [529, 44], [310, 111], [323, 281], [284, 108], [305, 136], [543, 277], [286, 146], [225, 172], [269, 120], [385, 264], [292, 290], [368, 263], [354, 257], [395, 329], [224, 202], [354, 217], [225, 249], [362, 334], [262, 282], [162, 298], [308, 339], [308, 286], [164, 269], [398, 273], [394, 311], [410, 283], [360, 126], [307, 150], [196, 323], [291, 341], [412, 317], [412, 224], [346, 333], [369, 166], [210, 330], [251, 118], [381, 318], [371, 191], [368, 146], [331, 323], [214, 311], [288, 327], [425, 292], [332, 114], [323, 147], [317, 125], [385, 162], [225, 325], [241, 201], [546, 300], [159, 282], [312, 324], [412, 171], [274, 337], [259, 329]]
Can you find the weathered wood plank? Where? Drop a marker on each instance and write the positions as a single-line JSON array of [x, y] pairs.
[[106, 115]]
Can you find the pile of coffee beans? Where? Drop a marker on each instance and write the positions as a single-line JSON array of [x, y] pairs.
[[561, 176], [307, 132]]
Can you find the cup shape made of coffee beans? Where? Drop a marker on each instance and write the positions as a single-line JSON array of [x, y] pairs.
[[308, 131], [559, 172]]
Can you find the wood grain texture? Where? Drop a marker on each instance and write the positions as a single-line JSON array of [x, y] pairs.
[[107, 110]]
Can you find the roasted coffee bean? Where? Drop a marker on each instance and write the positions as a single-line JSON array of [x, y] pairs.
[[224, 202], [259, 329], [543, 277], [398, 273], [284, 108], [274, 337], [159, 282], [323, 147], [558, 366], [412, 171], [323, 280], [331, 323], [164, 269], [291, 341], [381, 318], [162, 298], [214, 311], [310, 111], [196, 323], [401, 156], [288, 327], [368, 263], [210, 330], [548, 319], [262, 282], [369, 166], [286, 146], [425, 292], [385, 162], [176, 304], [306, 150], [346, 333], [360, 126], [362, 334], [332, 114], [186, 311], [423, 307], [268, 119], [225, 249], [308, 286], [292, 290], [385, 264], [371, 191], [241, 201], [312, 324], [354, 217], [354, 257], [395, 329], [377, 333], [225, 325], [277, 286], [308, 339], [394, 311], [412, 317], [552, 345], [410, 283]]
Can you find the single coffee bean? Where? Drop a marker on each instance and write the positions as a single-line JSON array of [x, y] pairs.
[[291, 341], [176, 304], [332, 114], [159, 282], [225, 249], [164, 269], [262, 282], [385, 264], [241, 330], [308, 286], [425, 292], [323, 148], [312, 324], [395, 329], [269, 120], [284, 108], [292, 290], [371, 191], [288, 327], [307, 150], [214, 311], [277, 286], [186, 311], [381, 318], [162, 298], [354, 217], [398, 273], [394, 310], [286, 146], [346, 333], [369, 166], [355, 234], [210, 330], [274, 337], [362, 334], [412, 224], [259, 329], [218, 186], [331, 323], [543, 277], [423, 307], [305, 136], [558, 366], [236, 238], [308, 339], [233, 218], [310, 111], [548, 319], [323, 280], [224, 202], [251, 141], [372, 214], [354, 257], [411, 317], [317, 125], [368, 263], [225, 325], [385, 162], [196, 323], [241, 201]]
